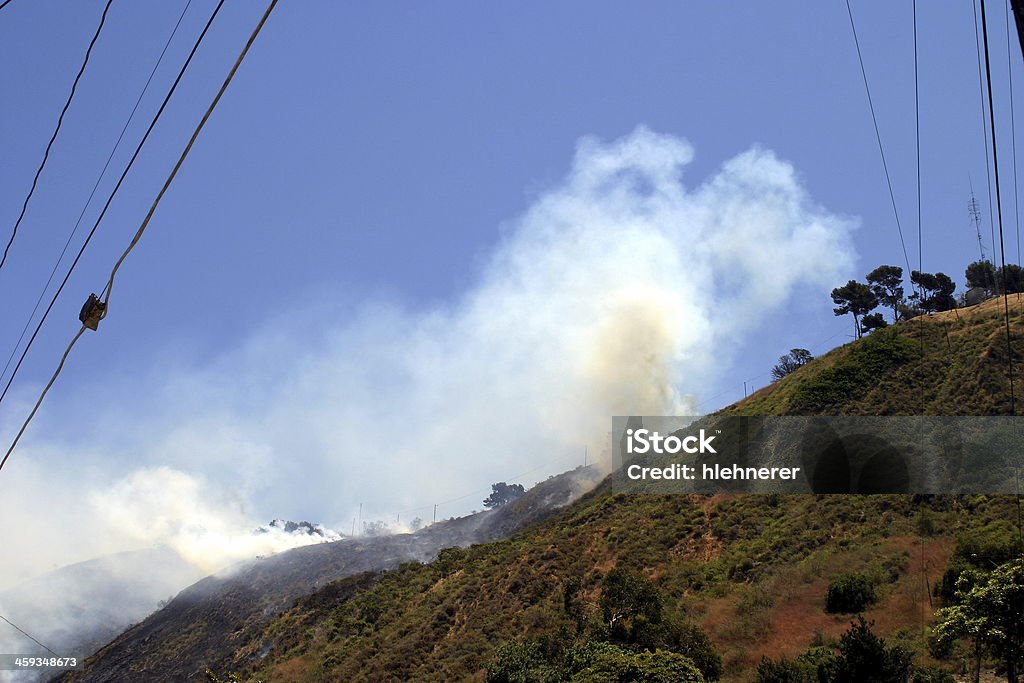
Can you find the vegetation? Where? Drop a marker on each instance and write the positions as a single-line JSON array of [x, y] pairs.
[[617, 587], [859, 656], [791, 362], [984, 275], [502, 494], [855, 298], [950, 363], [981, 274], [853, 375], [873, 321], [934, 292], [594, 662], [989, 610], [850, 594], [886, 283]]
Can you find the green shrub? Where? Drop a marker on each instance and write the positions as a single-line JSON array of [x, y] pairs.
[[932, 675], [521, 661], [853, 375], [783, 671], [863, 656], [627, 595], [674, 634], [606, 663], [850, 593]]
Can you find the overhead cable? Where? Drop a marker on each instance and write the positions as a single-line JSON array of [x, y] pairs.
[[95, 309], [56, 130], [999, 207], [92, 194], [110, 199]]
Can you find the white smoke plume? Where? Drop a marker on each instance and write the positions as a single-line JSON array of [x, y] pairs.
[[172, 507], [623, 290]]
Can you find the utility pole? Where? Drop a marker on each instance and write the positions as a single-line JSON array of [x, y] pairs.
[[435, 514], [744, 390], [584, 455], [360, 519]]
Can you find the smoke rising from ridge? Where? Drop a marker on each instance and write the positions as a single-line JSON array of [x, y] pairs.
[[622, 290]]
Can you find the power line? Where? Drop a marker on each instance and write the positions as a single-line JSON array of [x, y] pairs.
[[705, 402], [39, 401], [999, 207], [174, 172], [5, 3], [110, 198], [11, 623], [878, 135], [920, 242], [56, 130], [917, 131], [102, 307], [984, 126], [92, 194], [1013, 131]]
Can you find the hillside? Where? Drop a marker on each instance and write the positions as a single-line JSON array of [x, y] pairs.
[[205, 624], [950, 363], [80, 607], [751, 572]]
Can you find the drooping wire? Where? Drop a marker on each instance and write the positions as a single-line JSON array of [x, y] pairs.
[[56, 130], [917, 133], [149, 215], [110, 198], [878, 137], [39, 401], [107, 290], [920, 222], [984, 128], [999, 207], [92, 194], [1013, 132], [11, 623], [920, 267]]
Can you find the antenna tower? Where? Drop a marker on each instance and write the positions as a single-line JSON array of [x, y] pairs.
[[974, 211]]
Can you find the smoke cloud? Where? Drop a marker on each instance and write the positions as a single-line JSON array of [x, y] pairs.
[[622, 290]]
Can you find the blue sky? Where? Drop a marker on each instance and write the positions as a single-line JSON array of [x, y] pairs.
[[382, 150], [381, 145]]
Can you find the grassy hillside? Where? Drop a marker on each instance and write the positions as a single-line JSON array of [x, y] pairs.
[[750, 572], [950, 363]]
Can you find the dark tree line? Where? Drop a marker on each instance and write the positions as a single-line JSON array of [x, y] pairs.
[[502, 493], [931, 292], [985, 276], [792, 361], [884, 287]]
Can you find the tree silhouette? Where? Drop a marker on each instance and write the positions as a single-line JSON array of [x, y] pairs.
[[936, 291], [886, 284], [502, 493], [855, 298], [873, 321], [981, 274], [1011, 279], [790, 362]]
